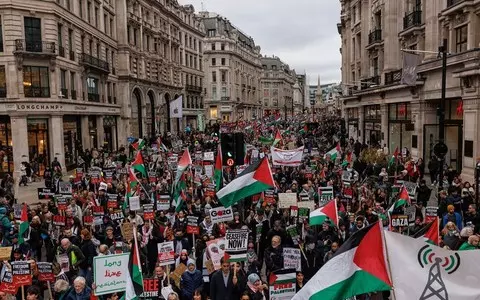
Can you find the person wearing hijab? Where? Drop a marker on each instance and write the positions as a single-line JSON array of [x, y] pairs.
[[182, 258], [255, 287], [191, 280]]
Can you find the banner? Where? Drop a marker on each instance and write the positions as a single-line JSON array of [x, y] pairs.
[[166, 253], [21, 273], [282, 284], [409, 71], [292, 259], [289, 158], [110, 273], [236, 244], [176, 110], [192, 225], [163, 202], [45, 193], [45, 271], [221, 214], [6, 282]]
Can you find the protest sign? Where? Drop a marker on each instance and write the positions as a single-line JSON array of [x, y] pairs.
[[61, 202], [293, 233], [148, 213], [6, 282], [45, 193], [21, 273], [303, 213], [64, 262], [59, 220], [325, 195], [412, 190], [216, 250], [221, 214], [116, 215], [293, 211], [306, 204], [127, 231], [282, 284], [134, 203], [5, 253], [45, 271], [258, 232], [87, 220], [410, 211], [98, 210], [208, 170], [78, 176], [210, 190], [285, 200], [303, 196], [17, 211], [269, 197], [108, 174], [236, 244], [150, 288], [112, 201], [95, 174], [65, 188], [192, 225], [163, 202], [292, 259], [166, 253], [210, 267], [110, 273], [152, 177], [399, 221], [208, 156], [431, 212]]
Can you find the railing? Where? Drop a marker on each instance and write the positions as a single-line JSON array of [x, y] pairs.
[[73, 94], [3, 92], [393, 77], [72, 55], [64, 93], [95, 62], [61, 51], [93, 97], [35, 46], [366, 83], [453, 2], [412, 19], [375, 36], [40, 92]]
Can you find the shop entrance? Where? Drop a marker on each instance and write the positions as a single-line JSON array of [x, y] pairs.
[[38, 150]]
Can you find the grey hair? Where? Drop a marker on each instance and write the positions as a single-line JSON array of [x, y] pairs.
[[174, 294], [61, 285], [81, 280]]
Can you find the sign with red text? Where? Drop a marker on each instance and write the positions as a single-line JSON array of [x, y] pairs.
[[148, 212], [6, 282], [21, 273], [110, 273], [59, 220], [166, 253], [45, 271], [221, 214]]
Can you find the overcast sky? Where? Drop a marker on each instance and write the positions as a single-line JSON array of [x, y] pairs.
[[303, 33]]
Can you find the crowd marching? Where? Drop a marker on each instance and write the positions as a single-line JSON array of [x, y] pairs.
[[169, 218]]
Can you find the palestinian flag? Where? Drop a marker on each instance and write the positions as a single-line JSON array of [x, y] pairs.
[[138, 144], [255, 179], [278, 138], [319, 216], [284, 276], [179, 193], [22, 230], [265, 140], [334, 152], [430, 232], [282, 284], [393, 159], [235, 257], [218, 173], [138, 165], [160, 145], [403, 199], [183, 164], [134, 278], [358, 267]]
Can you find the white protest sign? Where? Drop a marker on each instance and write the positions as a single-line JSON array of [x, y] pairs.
[[166, 253], [208, 156], [292, 259], [285, 200], [236, 240], [221, 214], [110, 273], [134, 203], [208, 170]]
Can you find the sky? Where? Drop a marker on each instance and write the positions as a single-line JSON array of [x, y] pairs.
[[303, 33]]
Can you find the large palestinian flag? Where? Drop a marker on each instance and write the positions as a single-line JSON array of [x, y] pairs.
[[358, 267], [183, 164], [430, 232], [255, 179], [134, 276], [138, 164], [319, 216]]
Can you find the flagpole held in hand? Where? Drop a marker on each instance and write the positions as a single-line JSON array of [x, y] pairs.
[[387, 259]]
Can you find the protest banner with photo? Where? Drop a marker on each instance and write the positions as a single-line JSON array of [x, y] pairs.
[[163, 202], [399, 221], [221, 214], [87, 220], [431, 212], [325, 195], [65, 188], [282, 284], [110, 273], [127, 231], [215, 251], [192, 225], [166, 253], [59, 220], [6, 282], [21, 273], [292, 259], [292, 231], [134, 203], [45, 193], [5, 253], [148, 212], [45, 271], [236, 245], [64, 262], [286, 200]]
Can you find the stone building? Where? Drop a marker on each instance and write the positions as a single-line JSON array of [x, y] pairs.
[[277, 84], [233, 71], [379, 109], [300, 93]]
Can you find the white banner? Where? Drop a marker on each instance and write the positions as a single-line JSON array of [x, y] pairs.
[[176, 110], [290, 158]]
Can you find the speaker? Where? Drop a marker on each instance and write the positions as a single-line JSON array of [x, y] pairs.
[[239, 149]]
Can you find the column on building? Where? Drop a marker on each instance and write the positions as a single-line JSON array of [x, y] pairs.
[[384, 113], [361, 120], [20, 143], [100, 132], [56, 140], [471, 138], [85, 133]]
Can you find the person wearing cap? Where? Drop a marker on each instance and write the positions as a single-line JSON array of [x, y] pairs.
[[191, 280], [452, 216]]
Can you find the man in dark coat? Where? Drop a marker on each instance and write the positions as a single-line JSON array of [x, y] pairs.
[[225, 284]]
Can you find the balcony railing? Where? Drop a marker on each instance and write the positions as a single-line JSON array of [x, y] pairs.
[[369, 82], [40, 92], [3, 92], [93, 97], [61, 51], [451, 3], [375, 36], [35, 46], [393, 77], [73, 94], [193, 88], [95, 62], [72, 55], [412, 19], [64, 93]]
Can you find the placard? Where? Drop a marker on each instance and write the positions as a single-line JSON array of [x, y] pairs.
[[134, 203], [221, 214], [150, 288], [431, 212], [208, 156], [110, 273], [152, 177], [87, 220], [236, 244], [117, 215], [166, 253], [98, 210], [269, 197], [127, 231], [45, 271], [216, 250], [5, 253], [95, 174], [21, 273], [65, 188], [61, 202], [6, 283], [64, 262], [285, 200], [59, 220], [306, 204], [210, 191], [325, 195], [292, 259], [148, 213], [410, 211], [17, 211], [192, 225], [303, 212], [108, 174], [177, 274], [399, 220], [45, 193], [282, 285], [163, 202], [208, 170], [293, 211]]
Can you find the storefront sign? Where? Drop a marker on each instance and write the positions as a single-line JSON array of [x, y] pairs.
[[39, 107], [109, 273]]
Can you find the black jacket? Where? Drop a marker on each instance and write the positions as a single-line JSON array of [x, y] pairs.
[[274, 258], [89, 251], [218, 290]]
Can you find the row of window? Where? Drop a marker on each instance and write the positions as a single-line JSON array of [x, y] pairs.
[[225, 95], [193, 102]]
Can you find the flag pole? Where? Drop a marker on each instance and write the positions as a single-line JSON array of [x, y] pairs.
[[385, 252]]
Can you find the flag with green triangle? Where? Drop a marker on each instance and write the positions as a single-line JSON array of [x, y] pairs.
[[218, 173], [23, 225], [134, 278], [403, 199], [138, 164], [277, 139], [179, 193], [183, 164], [139, 144], [393, 159]]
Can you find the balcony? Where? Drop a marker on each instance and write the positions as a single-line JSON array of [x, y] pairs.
[[3, 92], [61, 51], [64, 93], [413, 19], [225, 98], [73, 94], [370, 82], [37, 47], [38, 92], [393, 77], [375, 36], [95, 63], [193, 88], [72, 55], [93, 97]]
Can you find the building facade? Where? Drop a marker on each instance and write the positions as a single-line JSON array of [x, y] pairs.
[[299, 93], [233, 70], [277, 83], [379, 109], [58, 81]]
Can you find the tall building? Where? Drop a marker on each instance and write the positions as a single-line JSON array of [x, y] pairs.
[[233, 71], [299, 93], [58, 81], [379, 109], [277, 84]]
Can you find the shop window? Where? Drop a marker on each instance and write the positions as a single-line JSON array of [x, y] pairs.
[[213, 112], [6, 154], [36, 82], [38, 149], [468, 152]]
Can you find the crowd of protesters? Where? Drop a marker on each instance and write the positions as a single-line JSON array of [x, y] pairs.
[[363, 178]]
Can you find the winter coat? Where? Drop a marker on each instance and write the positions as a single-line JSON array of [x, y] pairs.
[[274, 258], [191, 282], [85, 295], [89, 251]]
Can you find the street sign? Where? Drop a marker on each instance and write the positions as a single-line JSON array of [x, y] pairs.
[[230, 162]]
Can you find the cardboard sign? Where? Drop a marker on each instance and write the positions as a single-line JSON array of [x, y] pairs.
[[65, 188], [59, 220], [285, 200], [192, 225], [292, 259], [306, 204], [21, 273], [110, 273], [210, 267], [45, 193], [163, 202], [221, 214], [134, 203], [399, 221], [127, 231], [5, 253], [45, 271], [166, 253], [177, 274]]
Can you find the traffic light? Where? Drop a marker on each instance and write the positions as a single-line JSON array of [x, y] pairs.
[[227, 142], [239, 149]]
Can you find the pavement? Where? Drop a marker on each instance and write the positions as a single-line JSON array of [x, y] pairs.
[[29, 194]]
